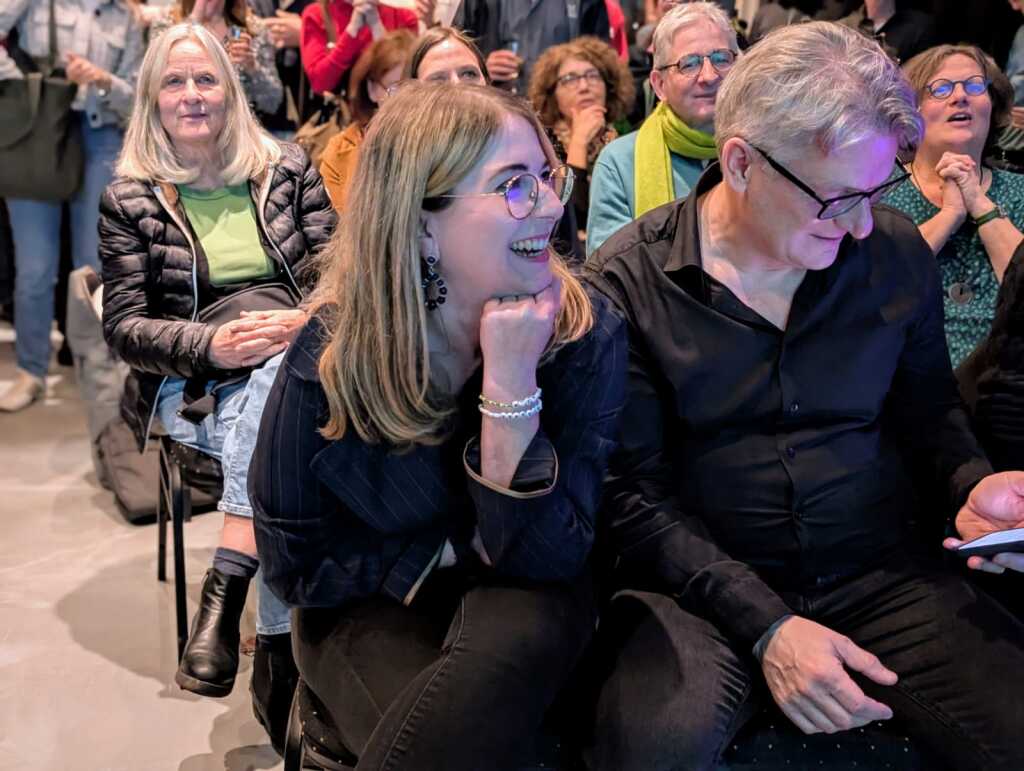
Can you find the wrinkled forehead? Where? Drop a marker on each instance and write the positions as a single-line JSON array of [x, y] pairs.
[[957, 67], [515, 147], [700, 37], [446, 55], [856, 167], [187, 55]]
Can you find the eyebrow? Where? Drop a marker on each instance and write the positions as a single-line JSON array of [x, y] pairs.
[[507, 168]]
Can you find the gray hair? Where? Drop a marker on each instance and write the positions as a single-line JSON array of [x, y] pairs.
[[148, 153], [684, 15], [818, 84]]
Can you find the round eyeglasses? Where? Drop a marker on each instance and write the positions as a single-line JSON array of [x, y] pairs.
[[574, 79], [722, 59], [943, 88], [522, 192]]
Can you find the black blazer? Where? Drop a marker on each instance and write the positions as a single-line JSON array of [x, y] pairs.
[[992, 377], [342, 520]]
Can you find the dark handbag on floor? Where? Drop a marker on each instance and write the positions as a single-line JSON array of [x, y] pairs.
[[40, 137]]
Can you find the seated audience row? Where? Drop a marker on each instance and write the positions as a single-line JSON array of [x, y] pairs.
[[433, 446]]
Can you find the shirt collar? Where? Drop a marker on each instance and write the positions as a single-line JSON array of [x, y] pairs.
[[685, 251]]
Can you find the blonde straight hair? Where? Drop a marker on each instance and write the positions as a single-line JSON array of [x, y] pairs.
[[374, 368], [148, 154]]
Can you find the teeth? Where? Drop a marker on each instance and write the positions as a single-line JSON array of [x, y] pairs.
[[530, 245]]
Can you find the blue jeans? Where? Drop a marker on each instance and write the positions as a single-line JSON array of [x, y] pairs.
[[36, 227], [229, 435]]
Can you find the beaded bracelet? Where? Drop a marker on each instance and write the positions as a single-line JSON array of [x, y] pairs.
[[529, 401], [521, 414]]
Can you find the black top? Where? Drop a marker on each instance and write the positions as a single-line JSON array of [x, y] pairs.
[[755, 460], [907, 33], [992, 377], [343, 520]]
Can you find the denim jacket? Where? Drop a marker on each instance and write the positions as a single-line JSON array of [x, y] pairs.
[[103, 31]]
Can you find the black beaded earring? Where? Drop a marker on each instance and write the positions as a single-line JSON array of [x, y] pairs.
[[431, 278]]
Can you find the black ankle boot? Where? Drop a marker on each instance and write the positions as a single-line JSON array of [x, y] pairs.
[[274, 677], [210, 661]]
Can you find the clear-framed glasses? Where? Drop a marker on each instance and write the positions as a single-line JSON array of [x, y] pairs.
[[841, 204], [574, 79], [722, 59], [942, 88], [522, 192]]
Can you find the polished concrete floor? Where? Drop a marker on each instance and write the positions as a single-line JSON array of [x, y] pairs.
[[87, 650]]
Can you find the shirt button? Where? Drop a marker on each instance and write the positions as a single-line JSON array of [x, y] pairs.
[[791, 452], [794, 408]]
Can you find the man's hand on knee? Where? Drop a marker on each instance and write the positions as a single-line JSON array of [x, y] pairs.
[[804, 667]]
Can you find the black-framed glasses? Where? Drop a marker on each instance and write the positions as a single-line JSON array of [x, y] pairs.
[[943, 88], [841, 204], [573, 79], [690, 65], [522, 192]]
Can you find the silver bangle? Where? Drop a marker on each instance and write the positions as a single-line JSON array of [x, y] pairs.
[[529, 401], [518, 415]]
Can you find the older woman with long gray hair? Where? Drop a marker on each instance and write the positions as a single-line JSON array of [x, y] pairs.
[[786, 355], [204, 233]]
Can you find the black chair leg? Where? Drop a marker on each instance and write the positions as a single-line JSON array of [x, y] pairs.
[[180, 508], [162, 504]]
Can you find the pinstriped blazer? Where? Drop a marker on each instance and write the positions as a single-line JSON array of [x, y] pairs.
[[343, 520]]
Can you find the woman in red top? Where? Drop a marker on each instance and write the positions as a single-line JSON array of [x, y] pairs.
[[357, 24]]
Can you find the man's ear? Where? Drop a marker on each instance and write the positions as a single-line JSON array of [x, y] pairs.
[[737, 161], [658, 83]]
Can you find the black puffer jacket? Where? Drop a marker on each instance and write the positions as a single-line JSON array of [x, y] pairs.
[[155, 282]]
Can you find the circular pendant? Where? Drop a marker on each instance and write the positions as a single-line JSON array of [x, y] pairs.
[[961, 293]]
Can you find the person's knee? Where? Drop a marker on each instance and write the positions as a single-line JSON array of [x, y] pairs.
[[526, 634], [672, 692]]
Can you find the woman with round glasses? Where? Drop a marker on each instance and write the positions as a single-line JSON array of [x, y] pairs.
[[968, 212], [431, 456], [580, 89]]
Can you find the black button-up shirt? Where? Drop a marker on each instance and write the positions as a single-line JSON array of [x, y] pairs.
[[755, 460]]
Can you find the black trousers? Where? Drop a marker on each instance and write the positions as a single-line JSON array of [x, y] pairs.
[[461, 679], [678, 690]]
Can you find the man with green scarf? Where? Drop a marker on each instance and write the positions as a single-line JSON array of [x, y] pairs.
[[694, 46]]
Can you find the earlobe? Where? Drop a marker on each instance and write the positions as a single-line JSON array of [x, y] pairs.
[[736, 164], [655, 79]]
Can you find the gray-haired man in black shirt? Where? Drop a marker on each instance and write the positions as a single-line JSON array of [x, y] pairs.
[[787, 353]]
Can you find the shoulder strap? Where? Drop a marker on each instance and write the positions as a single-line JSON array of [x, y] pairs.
[[325, 11]]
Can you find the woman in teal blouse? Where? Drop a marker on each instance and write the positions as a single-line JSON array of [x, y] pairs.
[[967, 212]]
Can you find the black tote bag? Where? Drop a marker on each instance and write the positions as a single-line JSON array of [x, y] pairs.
[[40, 138]]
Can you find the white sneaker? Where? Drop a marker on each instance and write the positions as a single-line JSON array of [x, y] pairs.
[[25, 390]]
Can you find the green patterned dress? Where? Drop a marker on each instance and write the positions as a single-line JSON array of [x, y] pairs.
[[969, 284]]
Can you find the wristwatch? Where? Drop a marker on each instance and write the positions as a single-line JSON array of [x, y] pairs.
[[996, 213]]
